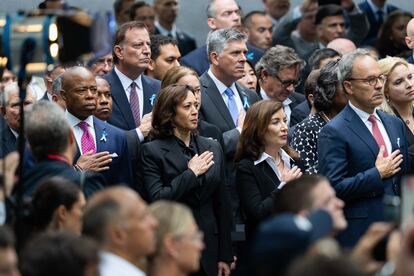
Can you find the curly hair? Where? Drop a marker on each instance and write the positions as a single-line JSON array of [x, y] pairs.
[[326, 87]]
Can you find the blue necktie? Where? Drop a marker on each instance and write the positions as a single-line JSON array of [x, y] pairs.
[[231, 104]]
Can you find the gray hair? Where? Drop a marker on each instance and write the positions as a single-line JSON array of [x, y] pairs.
[[278, 58], [218, 39], [346, 64], [211, 11], [57, 85], [47, 129], [10, 89]]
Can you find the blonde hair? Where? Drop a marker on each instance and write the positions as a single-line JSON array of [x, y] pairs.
[[173, 218], [175, 74], [387, 65]]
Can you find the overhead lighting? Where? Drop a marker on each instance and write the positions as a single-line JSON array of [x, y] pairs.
[[36, 67], [2, 22], [32, 28], [53, 32], [54, 50]]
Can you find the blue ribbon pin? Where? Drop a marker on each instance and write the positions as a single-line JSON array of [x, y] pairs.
[[152, 99], [104, 137], [245, 103]]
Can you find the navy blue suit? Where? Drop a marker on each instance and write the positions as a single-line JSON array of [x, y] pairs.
[[299, 113], [198, 59], [115, 141], [410, 59], [373, 23], [8, 141], [347, 152], [121, 111]]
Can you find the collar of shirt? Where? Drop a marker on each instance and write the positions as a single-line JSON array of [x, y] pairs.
[[265, 97], [14, 133], [221, 86], [111, 263], [375, 8], [74, 121], [164, 31], [126, 82], [362, 114], [264, 157]]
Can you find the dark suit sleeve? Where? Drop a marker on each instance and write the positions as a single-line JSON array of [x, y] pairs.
[[255, 207], [223, 213], [92, 183], [125, 173], [152, 170], [333, 163]]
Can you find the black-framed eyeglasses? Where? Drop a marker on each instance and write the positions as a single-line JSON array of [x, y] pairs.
[[287, 83], [372, 81]]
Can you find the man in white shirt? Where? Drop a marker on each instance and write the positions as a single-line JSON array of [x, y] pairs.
[[279, 71], [119, 219], [362, 151]]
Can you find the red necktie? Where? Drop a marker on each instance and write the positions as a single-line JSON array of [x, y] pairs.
[[377, 134], [87, 142], [134, 103]]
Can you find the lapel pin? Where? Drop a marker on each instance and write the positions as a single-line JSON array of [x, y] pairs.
[[152, 99], [398, 141], [104, 137]]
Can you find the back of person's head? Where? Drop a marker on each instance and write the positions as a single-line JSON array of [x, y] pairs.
[[326, 87], [296, 196], [47, 129], [136, 6], [316, 265], [52, 194], [175, 74], [326, 11], [62, 254], [318, 56], [278, 58], [310, 84]]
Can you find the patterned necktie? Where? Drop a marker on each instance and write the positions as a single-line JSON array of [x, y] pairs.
[[234, 111], [87, 142], [134, 103], [377, 133]]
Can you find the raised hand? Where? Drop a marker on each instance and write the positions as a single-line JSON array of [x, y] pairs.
[[199, 164], [390, 165]]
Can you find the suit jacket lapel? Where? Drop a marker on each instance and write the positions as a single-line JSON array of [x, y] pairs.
[[202, 147], [120, 99], [389, 127], [149, 95], [246, 102], [99, 128], [174, 154], [217, 99], [359, 128]]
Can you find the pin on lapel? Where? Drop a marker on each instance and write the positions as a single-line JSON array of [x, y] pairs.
[[104, 137], [152, 99], [398, 141], [246, 104]]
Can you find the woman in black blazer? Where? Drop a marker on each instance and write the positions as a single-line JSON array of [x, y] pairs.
[[264, 162], [181, 166]]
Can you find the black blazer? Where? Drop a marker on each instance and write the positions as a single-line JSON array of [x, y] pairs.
[[299, 113], [121, 110], [8, 141], [255, 185], [166, 175]]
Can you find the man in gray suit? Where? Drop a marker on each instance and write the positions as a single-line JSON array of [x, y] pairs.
[[224, 102]]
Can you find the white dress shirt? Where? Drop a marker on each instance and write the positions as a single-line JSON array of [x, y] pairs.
[[286, 105], [222, 87], [285, 158], [126, 84], [166, 32], [113, 265], [77, 131], [364, 117]]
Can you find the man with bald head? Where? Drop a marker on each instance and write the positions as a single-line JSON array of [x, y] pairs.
[[341, 45], [221, 14], [79, 91], [409, 40], [119, 219]]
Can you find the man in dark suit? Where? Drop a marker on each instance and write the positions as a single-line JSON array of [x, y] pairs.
[[133, 93], [362, 151], [166, 12], [92, 135], [279, 72], [52, 143], [376, 12], [409, 40], [221, 15], [223, 101], [11, 113], [49, 77]]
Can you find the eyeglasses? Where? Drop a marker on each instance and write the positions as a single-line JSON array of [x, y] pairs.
[[372, 81], [287, 83]]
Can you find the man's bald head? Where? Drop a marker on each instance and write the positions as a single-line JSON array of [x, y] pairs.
[[409, 39], [341, 45], [73, 73]]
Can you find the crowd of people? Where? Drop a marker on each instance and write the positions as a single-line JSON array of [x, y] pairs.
[[280, 147]]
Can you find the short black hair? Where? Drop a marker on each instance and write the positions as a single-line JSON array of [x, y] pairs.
[[327, 10], [135, 7], [248, 17], [160, 40], [319, 55], [296, 195]]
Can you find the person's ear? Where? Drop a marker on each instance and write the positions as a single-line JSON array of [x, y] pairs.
[[169, 245], [61, 213], [211, 22], [214, 58], [119, 52], [409, 42], [347, 87]]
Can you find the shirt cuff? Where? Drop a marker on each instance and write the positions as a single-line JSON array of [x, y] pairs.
[[140, 135], [283, 183]]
